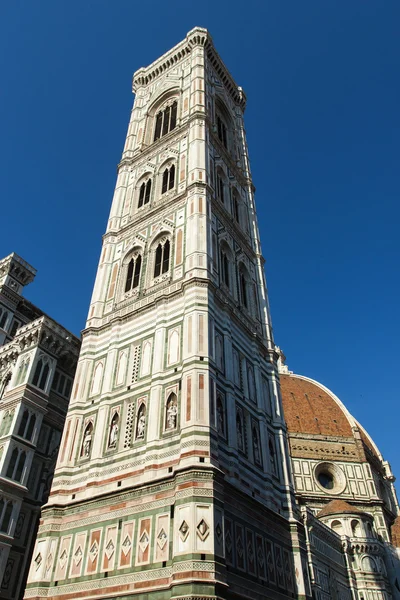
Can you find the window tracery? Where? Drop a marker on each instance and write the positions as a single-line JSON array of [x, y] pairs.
[[27, 425], [22, 370], [41, 373], [165, 120], [144, 193], [133, 272], [168, 179], [16, 465], [162, 257]]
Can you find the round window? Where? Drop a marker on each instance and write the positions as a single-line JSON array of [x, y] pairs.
[[330, 478], [326, 480]]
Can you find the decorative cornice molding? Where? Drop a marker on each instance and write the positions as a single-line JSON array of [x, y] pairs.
[[197, 37]]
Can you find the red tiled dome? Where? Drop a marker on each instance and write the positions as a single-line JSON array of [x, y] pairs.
[[338, 507], [310, 409]]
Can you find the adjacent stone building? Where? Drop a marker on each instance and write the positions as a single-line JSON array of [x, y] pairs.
[[342, 482], [193, 464], [37, 364]]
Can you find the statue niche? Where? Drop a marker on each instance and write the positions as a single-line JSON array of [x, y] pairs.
[[87, 441], [113, 434], [141, 422], [171, 413]]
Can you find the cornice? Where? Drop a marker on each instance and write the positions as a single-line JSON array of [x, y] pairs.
[[48, 335], [197, 37]]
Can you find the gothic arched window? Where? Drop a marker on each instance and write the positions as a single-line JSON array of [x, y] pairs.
[[220, 188], [20, 466], [236, 206], [165, 120], [168, 180], [41, 373], [144, 193], [31, 427], [244, 286], [22, 425], [3, 317], [161, 264], [133, 273], [225, 264], [11, 464], [221, 130]]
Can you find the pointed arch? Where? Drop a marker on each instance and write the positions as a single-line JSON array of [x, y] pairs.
[[23, 423], [226, 262], [146, 360], [171, 411], [141, 422], [31, 427], [121, 368], [19, 469], [97, 378], [113, 430], [12, 463], [113, 281], [87, 440], [173, 347]]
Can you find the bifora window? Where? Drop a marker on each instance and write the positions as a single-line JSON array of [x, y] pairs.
[[144, 193], [161, 264], [168, 180], [165, 121], [133, 273]]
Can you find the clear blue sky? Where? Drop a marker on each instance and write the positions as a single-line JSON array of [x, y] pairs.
[[323, 127]]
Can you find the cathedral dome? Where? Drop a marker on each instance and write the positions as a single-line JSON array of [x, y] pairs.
[[311, 409], [395, 532]]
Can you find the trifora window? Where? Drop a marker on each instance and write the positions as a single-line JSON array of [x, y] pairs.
[[144, 193], [133, 273], [168, 180], [161, 264], [165, 121]]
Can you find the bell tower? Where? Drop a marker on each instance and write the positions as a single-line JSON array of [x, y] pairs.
[[173, 477]]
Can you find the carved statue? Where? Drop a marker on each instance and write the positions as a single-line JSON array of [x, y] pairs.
[[172, 412], [141, 425], [112, 442], [87, 442]]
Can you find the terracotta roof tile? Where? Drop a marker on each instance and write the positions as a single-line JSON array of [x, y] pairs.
[[309, 409], [337, 507], [395, 531]]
